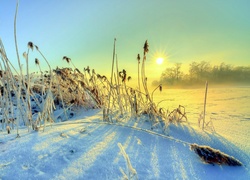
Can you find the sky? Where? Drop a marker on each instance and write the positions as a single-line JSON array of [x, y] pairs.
[[180, 31]]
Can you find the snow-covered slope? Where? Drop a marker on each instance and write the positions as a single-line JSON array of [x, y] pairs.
[[86, 148]]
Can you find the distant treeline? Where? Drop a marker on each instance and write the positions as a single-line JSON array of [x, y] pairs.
[[200, 72]]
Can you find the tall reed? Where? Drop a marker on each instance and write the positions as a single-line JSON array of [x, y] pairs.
[[107, 115], [205, 103]]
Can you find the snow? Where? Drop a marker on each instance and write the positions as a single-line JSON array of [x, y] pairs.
[[85, 147]]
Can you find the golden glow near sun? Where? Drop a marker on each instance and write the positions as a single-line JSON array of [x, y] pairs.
[[159, 60], [159, 57]]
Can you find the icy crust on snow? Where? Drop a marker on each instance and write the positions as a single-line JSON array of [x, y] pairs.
[[87, 149]]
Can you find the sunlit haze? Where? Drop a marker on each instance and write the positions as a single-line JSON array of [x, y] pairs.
[[84, 30], [159, 60]]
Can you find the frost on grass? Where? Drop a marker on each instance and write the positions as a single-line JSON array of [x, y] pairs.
[[5, 165], [131, 172], [213, 156]]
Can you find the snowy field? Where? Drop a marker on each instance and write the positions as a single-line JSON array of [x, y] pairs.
[[228, 107], [87, 148]]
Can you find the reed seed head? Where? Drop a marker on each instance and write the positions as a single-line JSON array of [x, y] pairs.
[[123, 75], [37, 61], [25, 55], [160, 87], [99, 76], [67, 59], [77, 70], [145, 47], [161, 111], [104, 78], [138, 58], [87, 69], [31, 45]]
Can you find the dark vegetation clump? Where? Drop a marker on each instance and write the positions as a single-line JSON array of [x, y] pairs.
[[213, 156], [199, 72]]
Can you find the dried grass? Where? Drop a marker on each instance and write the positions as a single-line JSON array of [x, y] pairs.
[[213, 156]]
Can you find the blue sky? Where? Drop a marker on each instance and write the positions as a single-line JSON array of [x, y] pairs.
[[181, 31]]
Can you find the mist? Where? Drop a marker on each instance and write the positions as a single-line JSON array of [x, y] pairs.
[[200, 72]]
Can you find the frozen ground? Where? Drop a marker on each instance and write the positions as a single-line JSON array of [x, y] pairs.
[[86, 148]]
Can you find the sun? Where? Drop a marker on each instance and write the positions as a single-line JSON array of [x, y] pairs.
[[159, 60]]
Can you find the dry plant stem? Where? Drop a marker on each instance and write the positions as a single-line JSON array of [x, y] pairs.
[[143, 75], [73, 64], [46, 114], [135, 105], [42, 78], [11, 78], [60, 94], [86, 79], [140, 100], [43, 87], [3, 123], [111, 81], [139, 87], [19, 63], [118, 87], [144, 79], [154, 91], [113, 62], [117, 95], [205, 103], [48, 104], [28, 104], [5, 59], [15, 37], [144, 83], [131, 172], [129, 99], [139, 82], [50, 71], [4, 101], [12, 82]]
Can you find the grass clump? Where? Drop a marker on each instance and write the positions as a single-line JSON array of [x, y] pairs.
[[213, 156]]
